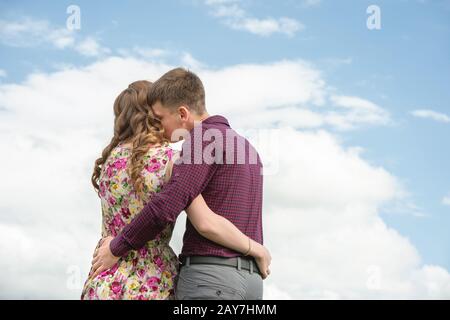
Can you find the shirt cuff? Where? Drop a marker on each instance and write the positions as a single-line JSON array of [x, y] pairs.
[[119, 246]]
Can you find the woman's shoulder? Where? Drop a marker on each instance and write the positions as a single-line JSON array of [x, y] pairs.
[[164, 150], [162, 155]]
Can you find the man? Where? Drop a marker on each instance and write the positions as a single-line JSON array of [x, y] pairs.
[[217, 163]]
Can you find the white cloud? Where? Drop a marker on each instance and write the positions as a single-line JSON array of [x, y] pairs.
[[314, 105], [266, 27], [446, 200], [360, 111], [188, 61], [430, 114], [3, 73], [90, 47], [321, 215], [321, 219], [227, 11], [233, 15], [27, 32], [149, 53]]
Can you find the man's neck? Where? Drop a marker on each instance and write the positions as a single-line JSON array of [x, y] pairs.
[[201, 117]]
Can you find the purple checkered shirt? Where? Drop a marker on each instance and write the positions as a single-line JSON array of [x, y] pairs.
[[232, 189]]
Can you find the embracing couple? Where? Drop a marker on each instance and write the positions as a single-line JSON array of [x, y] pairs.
[[144, 185]]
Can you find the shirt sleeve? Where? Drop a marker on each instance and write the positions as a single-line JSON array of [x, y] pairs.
[[188, 180]]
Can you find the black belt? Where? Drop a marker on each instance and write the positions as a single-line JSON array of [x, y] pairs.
[[245, 263]]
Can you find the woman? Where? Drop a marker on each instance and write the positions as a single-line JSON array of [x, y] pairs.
[[136, 164]]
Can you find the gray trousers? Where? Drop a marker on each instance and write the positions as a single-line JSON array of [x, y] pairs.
[[216, 282]]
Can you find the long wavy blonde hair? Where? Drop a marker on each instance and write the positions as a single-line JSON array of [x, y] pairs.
[[134, 122]]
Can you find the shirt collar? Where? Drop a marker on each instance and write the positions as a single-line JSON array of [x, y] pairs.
[[216, 119]]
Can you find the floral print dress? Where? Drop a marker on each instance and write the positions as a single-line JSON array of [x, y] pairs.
[[147, 273]]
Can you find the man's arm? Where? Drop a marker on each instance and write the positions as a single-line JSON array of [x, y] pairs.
[[187, 182]]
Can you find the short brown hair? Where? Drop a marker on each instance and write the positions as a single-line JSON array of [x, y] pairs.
[[176, 87]]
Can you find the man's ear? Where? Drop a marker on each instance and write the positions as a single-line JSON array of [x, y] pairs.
[[184, 113]]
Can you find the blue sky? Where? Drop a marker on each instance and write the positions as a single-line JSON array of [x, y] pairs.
[[403, 67]]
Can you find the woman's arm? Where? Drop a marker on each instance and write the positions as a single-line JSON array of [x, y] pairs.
[[220, 230]]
